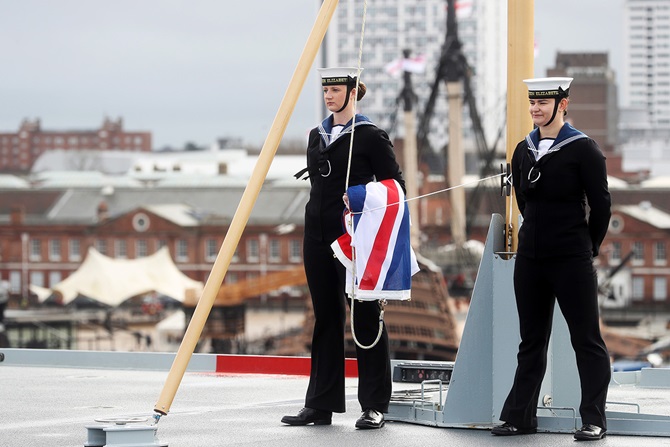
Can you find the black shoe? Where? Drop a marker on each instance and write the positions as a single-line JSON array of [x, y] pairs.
[[589, 432], [370, 419], [309, 416], [508, 429]]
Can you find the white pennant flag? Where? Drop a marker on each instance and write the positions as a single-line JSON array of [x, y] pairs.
[[416, 64], [463, 9]]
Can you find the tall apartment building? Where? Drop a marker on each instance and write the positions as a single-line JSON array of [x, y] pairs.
[[646, 71], [593, 108], [18, 151], [420, 26]]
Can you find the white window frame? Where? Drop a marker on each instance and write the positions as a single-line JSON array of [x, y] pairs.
[[37, 278], [15, 281], [211, 249], [253, 250], [120, 249], [660, 253], [181, 250], [141, 248], [615, 254], [74, 250], [637, 288], [54, 277], [274, 251], [54, 250], [101, 246], [35, 250], [660, 288], [638, 255], [295, 250]]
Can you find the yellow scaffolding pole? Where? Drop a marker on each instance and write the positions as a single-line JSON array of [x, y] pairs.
[[520, 52], [243, 211]]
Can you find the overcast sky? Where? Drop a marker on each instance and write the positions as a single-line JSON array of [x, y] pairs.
[[193, 71]]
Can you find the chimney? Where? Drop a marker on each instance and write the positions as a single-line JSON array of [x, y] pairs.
[[17, 215], [103, 211]]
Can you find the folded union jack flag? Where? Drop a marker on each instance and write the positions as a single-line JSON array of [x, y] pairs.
[[376, 249]]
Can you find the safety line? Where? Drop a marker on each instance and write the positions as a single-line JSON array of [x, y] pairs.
[[430, 193], [358, 79]]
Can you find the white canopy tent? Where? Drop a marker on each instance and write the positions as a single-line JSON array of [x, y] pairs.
[[112, 281], [170, 331]]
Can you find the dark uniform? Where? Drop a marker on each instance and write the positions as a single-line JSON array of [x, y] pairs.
[[557, 243], [372, 159]]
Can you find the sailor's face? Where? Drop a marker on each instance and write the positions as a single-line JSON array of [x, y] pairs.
[[541, 110], [334, 96]]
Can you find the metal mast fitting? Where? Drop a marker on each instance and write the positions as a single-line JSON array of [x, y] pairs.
[[122, 432], [454, 72], [410, 158]]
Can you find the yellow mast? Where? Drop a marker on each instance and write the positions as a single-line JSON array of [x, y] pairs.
[[243, 211], [520, 52]]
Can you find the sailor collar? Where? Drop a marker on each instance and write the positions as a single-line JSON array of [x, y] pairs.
[[565, 136], [326, 128]]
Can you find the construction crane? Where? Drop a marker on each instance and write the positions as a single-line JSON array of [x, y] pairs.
[[227, 318]]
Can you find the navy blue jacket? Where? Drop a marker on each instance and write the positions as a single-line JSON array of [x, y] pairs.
[[372, 159], [572, 175]]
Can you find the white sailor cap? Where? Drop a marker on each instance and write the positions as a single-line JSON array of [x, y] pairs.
[[548, 87], [339, 75]]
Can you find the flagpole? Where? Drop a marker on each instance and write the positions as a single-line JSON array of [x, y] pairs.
[[243, 212], [520, 44]]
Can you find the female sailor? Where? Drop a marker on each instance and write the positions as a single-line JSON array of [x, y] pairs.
[[557, 171], [328, 166]]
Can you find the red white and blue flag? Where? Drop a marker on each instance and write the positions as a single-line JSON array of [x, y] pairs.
[[378, 240]]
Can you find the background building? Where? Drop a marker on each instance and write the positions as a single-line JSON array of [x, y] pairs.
[[644, 127], [594, 109], [18, 151], [646, 71], [420, 26]]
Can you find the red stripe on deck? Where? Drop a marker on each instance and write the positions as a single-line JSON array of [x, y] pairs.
[[267, 364]]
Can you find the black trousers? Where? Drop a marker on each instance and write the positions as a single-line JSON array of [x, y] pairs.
[[573, 283], [326, 281]]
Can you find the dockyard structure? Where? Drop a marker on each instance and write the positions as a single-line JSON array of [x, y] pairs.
[[46, 232], [49, 221]]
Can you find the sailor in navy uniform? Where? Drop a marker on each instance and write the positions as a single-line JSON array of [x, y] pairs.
[[557, 171], [372, 158]]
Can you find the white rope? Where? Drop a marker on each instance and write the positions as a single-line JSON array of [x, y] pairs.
[[381, 326], [430, 193], [358, 79], [510, 224], [346, 186]]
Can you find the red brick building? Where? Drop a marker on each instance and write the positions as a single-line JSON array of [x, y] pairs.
[[638, 238], [40, 250], [18, 151]]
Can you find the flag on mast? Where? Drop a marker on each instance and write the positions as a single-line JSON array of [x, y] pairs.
[[416, 64], [463, 9]]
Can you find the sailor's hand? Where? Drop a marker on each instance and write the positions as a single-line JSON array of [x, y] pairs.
[[345, 199]]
